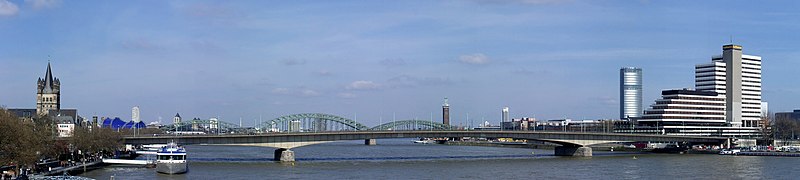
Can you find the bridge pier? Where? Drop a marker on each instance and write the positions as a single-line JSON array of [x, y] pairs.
[[284, 155], [577, 151], [370, 142]]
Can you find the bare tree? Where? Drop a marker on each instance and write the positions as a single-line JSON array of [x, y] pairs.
[[23, 142], [785, 129]]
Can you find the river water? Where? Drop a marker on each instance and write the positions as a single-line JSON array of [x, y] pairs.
[[402, 159]]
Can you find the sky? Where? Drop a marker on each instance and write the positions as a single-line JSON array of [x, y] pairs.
[[374, 61]]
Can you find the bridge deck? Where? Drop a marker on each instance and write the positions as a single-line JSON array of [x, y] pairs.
[[564, 138]]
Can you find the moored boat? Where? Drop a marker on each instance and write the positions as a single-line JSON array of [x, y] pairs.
[[171, 159]]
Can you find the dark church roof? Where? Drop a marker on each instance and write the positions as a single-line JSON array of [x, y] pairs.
[[49, 84]]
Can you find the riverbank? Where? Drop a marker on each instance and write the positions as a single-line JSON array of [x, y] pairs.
[[783, 154], [75, 169], [605, 147]]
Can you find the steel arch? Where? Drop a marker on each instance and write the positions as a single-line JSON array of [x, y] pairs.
[[220, 124], [347, 122], [424, 123]]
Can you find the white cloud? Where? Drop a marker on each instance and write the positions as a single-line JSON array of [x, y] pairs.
[[362, 85], [41, 4], [8, 8], [476, 59]]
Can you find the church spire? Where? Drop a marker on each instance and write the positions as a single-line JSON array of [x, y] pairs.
[[49, 75], [48, 78]]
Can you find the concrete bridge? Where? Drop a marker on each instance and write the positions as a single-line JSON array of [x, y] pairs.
[[573, 143]]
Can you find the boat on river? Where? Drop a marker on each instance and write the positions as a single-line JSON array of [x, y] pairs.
[[171, 159]]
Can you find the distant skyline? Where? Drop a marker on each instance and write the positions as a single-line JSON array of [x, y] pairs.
[[542, 58]]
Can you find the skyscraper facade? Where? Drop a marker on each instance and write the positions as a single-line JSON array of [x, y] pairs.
[[505, 115], [135, 114], [737, 77], [630, 92], [445, 112], [726, 102]]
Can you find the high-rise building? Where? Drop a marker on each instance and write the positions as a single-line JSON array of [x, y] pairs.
[[48, 94], [135, 114], [726, 102], [505, 115], [736, 76], [630, 92], [445, 113]]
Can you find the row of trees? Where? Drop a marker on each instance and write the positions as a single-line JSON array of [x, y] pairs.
[[24, 142], [785, 129]]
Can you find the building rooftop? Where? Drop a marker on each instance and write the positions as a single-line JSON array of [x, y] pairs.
[[689, 92], [732, 46]]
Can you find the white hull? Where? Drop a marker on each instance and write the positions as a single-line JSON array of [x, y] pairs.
[[172, 168]]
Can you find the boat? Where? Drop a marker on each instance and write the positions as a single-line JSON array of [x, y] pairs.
[[171, 159], [423, 141], [730, 152]]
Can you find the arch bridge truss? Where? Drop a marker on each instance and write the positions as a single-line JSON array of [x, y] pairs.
[[202, 125], [320, 122], [311, 122], [413, 124]]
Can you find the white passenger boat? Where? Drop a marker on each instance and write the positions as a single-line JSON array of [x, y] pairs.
[[171, 159]]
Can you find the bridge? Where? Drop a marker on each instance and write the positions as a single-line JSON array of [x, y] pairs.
[[306, 122], [573, 143]]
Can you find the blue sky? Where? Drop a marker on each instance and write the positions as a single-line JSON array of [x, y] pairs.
[[542, 58]]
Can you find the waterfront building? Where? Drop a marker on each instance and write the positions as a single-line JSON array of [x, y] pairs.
[[214, 123], [48, 93], [685, 112], [793, 116], [117, 124], [294, 126], [48, 104], [505, 115], [64, 126], [445, 113], [177, 118], [737, 77], [135, 114], [630, 92], [726, 102]]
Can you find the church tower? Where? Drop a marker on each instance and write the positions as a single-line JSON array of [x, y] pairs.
[[48, 94]]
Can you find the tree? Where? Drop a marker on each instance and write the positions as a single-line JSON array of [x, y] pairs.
[[786, 129], [23, 142], [95, 140], [766, 129]]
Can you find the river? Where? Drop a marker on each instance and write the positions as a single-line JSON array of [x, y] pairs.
[[401, 159]]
